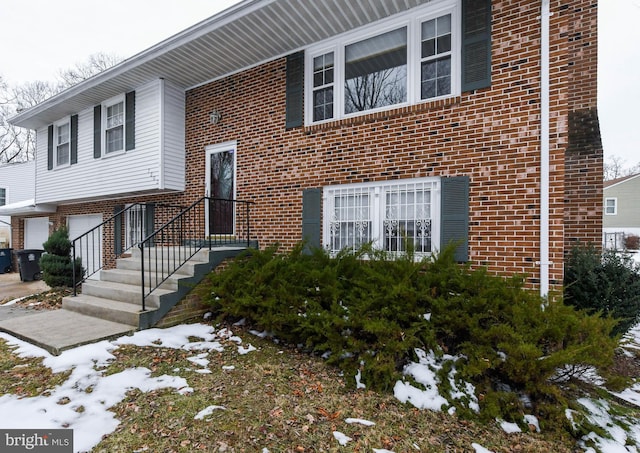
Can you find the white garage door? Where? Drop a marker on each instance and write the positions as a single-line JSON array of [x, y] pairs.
[[89, 248], [36, 232]]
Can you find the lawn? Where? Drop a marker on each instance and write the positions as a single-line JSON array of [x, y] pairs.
[[203, 388]]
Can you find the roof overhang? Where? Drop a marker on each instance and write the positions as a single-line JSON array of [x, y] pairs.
[[242, 36], [26, 207]]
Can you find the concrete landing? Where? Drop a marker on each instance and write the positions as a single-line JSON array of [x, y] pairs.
[[58, 330]]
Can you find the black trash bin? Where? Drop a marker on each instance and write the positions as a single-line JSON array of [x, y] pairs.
[[6, 261], [29, 264]]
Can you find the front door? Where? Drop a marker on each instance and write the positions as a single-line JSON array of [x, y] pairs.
[[221, 169]]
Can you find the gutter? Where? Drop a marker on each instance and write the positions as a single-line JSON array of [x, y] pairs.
[[544, 149]]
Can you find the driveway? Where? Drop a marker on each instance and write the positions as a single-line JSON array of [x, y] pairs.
[[12, 288]]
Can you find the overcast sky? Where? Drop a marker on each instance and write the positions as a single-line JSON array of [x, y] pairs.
[[39, 38]]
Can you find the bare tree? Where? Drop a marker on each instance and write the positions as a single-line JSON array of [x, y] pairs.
[[95, 64], [18, 144], [615, 167], [375, 89]]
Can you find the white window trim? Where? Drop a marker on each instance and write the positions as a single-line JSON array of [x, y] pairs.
[[103, 127], [6, 195], [412, 20], [56, 125], [377, 209], [615, 206]]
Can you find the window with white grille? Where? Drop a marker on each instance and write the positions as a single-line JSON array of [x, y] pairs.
[[394, 216]]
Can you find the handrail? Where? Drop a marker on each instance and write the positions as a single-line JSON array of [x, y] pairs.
[[89, 246], [207, 222]]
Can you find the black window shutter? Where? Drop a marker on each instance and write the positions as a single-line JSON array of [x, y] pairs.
[[476, 44], [130, 120], [118, 233], [295, 90], [311, 216], [454, 219], [74, 139], [97, 131], [50, 148]]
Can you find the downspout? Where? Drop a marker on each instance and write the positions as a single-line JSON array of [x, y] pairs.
[[544, 149]]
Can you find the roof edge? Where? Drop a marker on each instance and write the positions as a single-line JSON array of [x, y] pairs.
[[220, 19]]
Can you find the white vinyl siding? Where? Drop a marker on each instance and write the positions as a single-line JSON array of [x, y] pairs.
[[18, 180], [139, 170], [173, 137]]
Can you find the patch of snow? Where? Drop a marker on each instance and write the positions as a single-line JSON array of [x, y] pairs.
[[228, 367], [382, 450], [480, 449], [200, 359], [359, 384], [508, 427], [532, 420], [631, 395], [621, 430], [242, 350], [341, 438], [427, 316], [359, 421], [208, 411], [424, 372]]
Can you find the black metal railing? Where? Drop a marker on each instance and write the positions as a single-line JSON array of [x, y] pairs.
[[208, 222], [127, 227]]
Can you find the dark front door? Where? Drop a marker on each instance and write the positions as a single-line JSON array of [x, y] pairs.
[[221, 191]]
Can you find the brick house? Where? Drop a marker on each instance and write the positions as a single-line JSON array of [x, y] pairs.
[[345, 122]]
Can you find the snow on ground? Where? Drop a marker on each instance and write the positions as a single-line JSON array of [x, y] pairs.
[[82, 402]]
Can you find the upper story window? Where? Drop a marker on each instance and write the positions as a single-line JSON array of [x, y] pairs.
[[407, 59], [114, 126], [375, 72], [62, 139], [323, 70], [3, 196], [611, 206]]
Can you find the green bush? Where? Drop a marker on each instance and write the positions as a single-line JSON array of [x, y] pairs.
[[56, 264], [367, 313], [607, 282]]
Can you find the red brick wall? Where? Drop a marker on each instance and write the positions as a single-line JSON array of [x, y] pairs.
[[584, 155]]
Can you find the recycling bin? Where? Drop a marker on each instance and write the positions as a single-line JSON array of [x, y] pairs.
[[29, 264], [6, 261]]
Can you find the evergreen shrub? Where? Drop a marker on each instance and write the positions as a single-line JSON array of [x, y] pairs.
[[366, 312], [56, 264], [606, 282]]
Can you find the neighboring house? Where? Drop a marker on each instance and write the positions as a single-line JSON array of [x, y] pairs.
[[621, 211], [344, 122], [17, 187]]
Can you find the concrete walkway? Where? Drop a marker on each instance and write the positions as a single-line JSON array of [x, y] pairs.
[[58, 330], [12, 288], [52, 330]]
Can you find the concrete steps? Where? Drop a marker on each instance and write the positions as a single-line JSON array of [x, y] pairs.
[[117, 295]]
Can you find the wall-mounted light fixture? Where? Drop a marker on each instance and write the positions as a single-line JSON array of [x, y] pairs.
[[215, 117]]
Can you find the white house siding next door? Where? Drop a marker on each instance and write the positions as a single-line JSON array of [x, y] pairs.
[[88, 248], [36, 232]]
